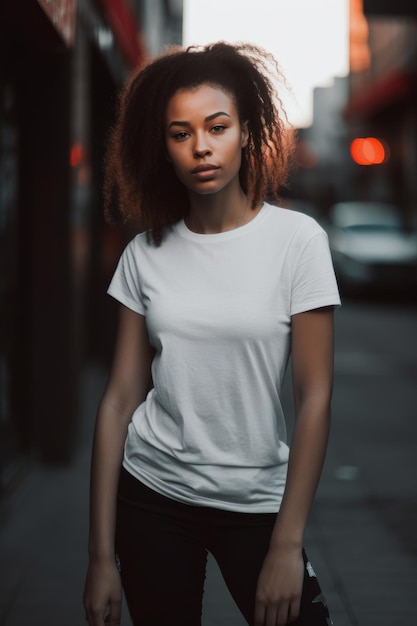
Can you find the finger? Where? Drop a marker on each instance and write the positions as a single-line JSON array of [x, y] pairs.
[[294, 610], [90, 617], [271, 616], [95, 617], [115, 613], [260, 614], [282, 614]]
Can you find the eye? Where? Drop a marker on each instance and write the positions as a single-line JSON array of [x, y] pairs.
[[218, 128], [180, 135]]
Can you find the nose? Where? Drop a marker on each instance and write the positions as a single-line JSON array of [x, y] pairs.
[[201, 147]]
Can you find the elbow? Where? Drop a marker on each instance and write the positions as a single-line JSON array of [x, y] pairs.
[[315, 401]]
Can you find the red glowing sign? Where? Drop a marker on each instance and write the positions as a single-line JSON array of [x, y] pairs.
[[368, 151], [77, 154]]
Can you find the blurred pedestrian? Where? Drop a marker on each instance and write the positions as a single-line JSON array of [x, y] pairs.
[[190, 450]]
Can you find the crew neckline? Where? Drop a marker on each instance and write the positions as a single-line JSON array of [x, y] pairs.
[[184, 231]]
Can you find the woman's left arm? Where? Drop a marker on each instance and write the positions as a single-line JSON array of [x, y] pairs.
[[281, 578]]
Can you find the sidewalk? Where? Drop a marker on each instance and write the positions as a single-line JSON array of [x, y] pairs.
[[368, 578]]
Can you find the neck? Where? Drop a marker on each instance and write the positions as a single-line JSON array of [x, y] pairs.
[[210, 214]]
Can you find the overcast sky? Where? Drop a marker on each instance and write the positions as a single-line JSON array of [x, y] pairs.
[[309, 38]]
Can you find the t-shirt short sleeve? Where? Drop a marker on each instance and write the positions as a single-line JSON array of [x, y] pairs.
[[125, 284], [314, 283]]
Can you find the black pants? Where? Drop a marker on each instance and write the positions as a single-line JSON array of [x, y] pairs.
[[162, 549]]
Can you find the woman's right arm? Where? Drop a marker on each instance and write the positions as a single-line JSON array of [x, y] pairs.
[[127, 386]]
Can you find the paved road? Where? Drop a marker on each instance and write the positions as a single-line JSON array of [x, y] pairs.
[[368, 495], [361, 538], [375, 410]]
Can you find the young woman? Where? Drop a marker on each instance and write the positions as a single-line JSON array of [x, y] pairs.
[[190, 450]]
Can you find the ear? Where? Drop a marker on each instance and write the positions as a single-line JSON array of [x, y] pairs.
[[244, 135]]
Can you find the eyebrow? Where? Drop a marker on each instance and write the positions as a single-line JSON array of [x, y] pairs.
[[206, 119]]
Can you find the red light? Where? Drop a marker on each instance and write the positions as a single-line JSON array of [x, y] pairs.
[[77, 154], [368, 151]]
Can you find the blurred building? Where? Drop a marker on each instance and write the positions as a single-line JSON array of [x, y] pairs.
[[383, 98], [323, 152], [377, 100], [61, 64]]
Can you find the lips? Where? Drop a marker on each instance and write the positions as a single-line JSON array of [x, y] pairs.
[[204, 167]]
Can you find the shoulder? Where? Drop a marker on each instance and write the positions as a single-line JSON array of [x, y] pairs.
[[291, 223], [139, 244], [141, 250]]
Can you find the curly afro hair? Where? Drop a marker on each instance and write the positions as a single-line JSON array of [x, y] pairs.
[[140, 183]]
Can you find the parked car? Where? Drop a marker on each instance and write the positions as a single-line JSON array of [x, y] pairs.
[[371, 248]]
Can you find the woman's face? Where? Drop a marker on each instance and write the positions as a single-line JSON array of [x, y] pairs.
[[204, 138]]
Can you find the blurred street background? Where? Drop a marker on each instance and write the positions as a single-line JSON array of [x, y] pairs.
[[61, 65]]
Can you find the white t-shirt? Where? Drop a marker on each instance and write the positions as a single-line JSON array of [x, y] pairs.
[[218, 310]]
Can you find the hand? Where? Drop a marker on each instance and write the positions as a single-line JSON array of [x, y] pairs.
[[103, 589], [279, 589]]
